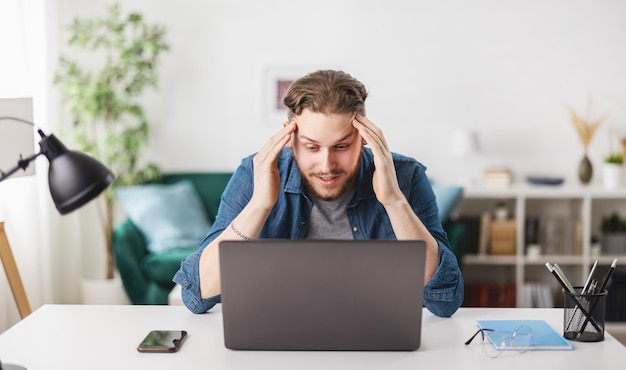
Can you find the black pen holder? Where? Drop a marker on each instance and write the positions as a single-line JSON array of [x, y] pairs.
[[583, 316]]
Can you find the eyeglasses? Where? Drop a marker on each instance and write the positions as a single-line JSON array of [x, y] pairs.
[[495, 341]]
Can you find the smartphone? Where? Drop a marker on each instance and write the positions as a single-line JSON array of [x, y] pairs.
[[161, 341]]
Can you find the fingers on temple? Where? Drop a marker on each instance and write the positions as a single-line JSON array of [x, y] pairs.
[[370, 132], [276, 143]]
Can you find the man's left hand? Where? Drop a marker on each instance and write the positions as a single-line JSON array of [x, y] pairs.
[[385, 181]]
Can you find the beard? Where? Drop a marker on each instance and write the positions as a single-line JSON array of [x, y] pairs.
[[339, 189]]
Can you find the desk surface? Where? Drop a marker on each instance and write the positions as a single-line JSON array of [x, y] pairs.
[[105, 337]]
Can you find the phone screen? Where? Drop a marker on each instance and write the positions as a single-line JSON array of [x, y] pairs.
[[162, 341]]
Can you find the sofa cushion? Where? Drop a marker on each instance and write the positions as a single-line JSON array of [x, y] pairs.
[[169, 216], [448, 196], [161, 267]]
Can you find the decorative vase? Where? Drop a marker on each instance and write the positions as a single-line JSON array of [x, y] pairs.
[[585, 170]]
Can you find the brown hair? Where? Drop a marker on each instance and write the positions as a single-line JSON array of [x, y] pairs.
[[326, 91]]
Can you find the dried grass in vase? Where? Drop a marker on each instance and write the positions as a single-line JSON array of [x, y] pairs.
[[586, 128]]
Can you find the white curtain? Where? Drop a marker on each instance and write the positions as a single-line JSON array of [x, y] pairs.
[[23, 207]]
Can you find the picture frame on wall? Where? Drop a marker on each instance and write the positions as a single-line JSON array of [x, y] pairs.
[[277, 81]]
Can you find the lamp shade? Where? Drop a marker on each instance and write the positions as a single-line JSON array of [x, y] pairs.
[[74, 178]]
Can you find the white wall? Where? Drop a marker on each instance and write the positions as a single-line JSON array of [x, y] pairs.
[[504, 68]]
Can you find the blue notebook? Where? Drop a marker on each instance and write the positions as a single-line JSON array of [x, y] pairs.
[[545, 338]]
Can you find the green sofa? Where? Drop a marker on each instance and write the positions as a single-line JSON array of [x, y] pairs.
[[147, 277]]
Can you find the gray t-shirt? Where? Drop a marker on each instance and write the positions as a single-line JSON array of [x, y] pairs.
[[329, 219]]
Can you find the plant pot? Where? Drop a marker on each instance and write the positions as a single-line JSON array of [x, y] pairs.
[[98, 291], [612, 175], [614, 243], [501, 214]]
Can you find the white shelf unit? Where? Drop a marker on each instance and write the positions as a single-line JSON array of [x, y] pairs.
[[588, 204]]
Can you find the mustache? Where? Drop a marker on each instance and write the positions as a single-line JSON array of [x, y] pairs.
[[324, 174]]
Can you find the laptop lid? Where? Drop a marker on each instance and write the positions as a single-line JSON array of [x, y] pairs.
[[322, 294]]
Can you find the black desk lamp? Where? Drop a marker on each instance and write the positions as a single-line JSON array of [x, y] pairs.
[[74, 179]]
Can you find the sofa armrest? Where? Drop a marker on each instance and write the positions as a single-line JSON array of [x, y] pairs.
[[130, 249]]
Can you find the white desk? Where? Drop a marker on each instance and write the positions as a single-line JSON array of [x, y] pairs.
[[105, 337]]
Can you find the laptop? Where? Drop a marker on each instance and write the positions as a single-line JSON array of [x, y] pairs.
[[326, 295]]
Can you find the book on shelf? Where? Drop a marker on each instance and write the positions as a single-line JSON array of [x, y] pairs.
[[560, 235], [531, 230], [485, 227], [536, 295], [497, 178], [545, 337], [481, 294]]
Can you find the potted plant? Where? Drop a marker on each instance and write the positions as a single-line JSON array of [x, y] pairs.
[[501, 212], [613, 234], [613, 170], [116, 59]]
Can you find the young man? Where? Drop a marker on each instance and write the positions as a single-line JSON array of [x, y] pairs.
[[316, 179]]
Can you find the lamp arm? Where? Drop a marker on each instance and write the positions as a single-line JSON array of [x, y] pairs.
[[18, 120], [22, 163]]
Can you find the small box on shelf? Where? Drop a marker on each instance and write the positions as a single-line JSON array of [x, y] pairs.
[[503, 237]]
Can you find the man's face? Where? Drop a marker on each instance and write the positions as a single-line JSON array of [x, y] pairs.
[[327, 149]]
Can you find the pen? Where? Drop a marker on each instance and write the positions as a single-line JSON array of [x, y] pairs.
[[586, 287], [561, 274]]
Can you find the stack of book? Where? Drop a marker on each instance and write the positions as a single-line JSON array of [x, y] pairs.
[[497, 178]]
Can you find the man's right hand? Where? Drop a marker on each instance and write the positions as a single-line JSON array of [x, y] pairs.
[[266, 176], [251, 219]]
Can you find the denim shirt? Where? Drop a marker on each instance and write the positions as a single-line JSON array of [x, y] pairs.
[[290, 216]]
